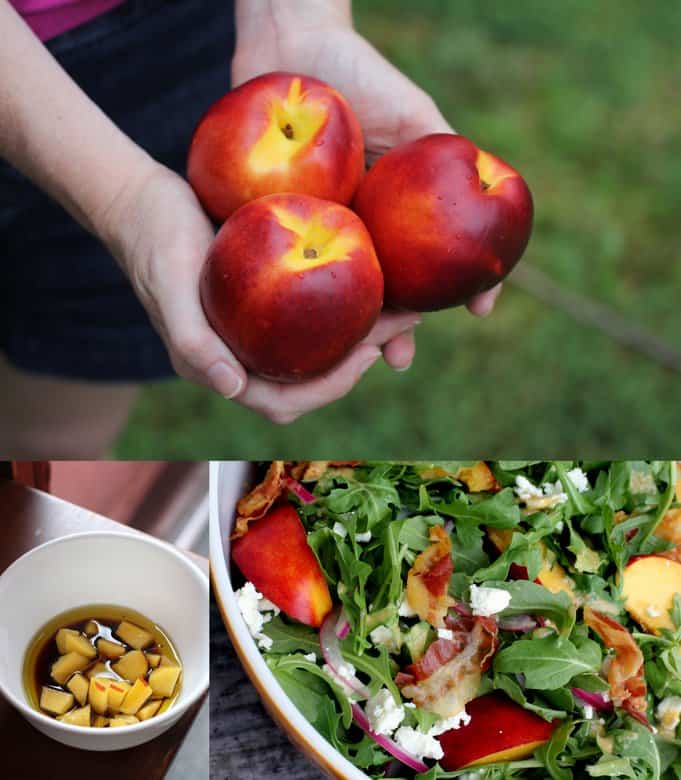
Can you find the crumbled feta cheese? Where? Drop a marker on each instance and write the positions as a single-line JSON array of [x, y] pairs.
[[410, 705], [311, 657], [579, 479], [535, 498], [668, 714], [588, 711], [642, 482], [404, 609], [363, 538], [256, 610], [418, 744], [382, 635], [340, 530], [344, 670], [445, 633], [652, 611], [559, 526], [447, 724], [525, 490], [384, 713], [488, 601]]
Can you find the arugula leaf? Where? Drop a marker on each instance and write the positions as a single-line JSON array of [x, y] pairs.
[[549, 753], [372, 499], [547, 663], [579, 501], [500, 510], [635, 755], [531, 598], [523, 551], [290, 637], [510, 687]]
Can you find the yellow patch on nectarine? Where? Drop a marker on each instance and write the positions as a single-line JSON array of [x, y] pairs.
[[491, 170], [516, 753], [315, 244], [293, 124]]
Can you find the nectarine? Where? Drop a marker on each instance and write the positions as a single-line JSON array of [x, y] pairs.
[[447, 219], [291, 284], [279, 132], [275, 556], [649, 584], [499, 730]]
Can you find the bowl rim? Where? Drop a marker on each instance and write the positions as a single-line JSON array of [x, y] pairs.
[[170, 715], [287, 716]]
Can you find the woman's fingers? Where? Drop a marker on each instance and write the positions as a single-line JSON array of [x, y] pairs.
[[283, 403], [399, 352], [481, 305]]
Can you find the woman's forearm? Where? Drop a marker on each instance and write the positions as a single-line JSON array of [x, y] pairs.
[[54, 134], [253, 17]]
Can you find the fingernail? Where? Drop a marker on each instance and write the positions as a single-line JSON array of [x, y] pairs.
[[225, 380], [402, 370], [369, 360]]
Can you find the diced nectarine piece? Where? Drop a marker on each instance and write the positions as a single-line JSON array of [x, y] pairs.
[[77, 643], [136, 697], [149, 710], [131, 665], [110, 649], [165, 661], [499, 730], [99, 669], [649, 584], [61, 639], [117, 691], [66, 665], [154, 659], [163, 680], [54, 701], [91, 628], [134, 636], [79, 717], [100, 721], [122, 720], [79, 686], [98, 694]]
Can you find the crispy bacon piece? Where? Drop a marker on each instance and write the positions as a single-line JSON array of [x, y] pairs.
[[255, 504], [428, 579], [448, 675], [477, 478], [312, 470], [625, 675]]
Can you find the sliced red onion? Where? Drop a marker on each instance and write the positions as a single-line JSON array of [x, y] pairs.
[[329, 642], [462, 609], [518, 623], [386, 743], [596, 700], [299, 491], [343, 625]]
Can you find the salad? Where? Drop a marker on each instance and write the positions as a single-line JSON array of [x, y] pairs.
[[487, 620]]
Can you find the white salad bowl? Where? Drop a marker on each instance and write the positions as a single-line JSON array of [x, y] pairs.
[[120, 568], [228, 482]]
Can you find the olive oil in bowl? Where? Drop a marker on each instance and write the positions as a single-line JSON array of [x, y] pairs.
[[101, 666]]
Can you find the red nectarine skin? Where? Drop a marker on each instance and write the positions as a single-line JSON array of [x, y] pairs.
[[291, 284], [447, 219], [499, 730], [275, 556], [279, 132]]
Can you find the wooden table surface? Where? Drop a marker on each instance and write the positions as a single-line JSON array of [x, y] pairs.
[[245, 743], [28, 518]]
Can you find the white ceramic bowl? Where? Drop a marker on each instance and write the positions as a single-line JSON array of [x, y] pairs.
[[128, 569], [228, 482]]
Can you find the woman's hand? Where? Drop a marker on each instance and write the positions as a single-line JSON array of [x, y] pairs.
[[161, 236], [315, 37]]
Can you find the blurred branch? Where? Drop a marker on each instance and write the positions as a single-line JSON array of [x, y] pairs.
[[598, 315]]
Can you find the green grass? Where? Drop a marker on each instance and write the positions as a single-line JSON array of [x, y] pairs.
[[583, 98]]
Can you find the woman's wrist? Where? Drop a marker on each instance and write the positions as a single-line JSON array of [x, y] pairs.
[[258, 19]]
